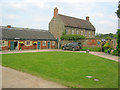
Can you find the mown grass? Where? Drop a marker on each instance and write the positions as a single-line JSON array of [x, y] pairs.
[[67, 68]]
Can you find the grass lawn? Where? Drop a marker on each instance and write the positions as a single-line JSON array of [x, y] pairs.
[[67, 68]]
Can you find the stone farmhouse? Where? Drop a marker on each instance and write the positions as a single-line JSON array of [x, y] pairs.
[[15, 38], [24, 38], [70, 25]]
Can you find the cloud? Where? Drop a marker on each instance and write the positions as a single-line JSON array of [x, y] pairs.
[[11, 16]]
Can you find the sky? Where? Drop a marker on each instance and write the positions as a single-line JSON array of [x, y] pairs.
[[38, 13]]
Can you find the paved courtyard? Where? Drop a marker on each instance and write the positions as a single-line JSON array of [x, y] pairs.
[[15, 79]]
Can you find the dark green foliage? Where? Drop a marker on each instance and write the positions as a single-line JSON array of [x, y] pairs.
[[118, 11], [118, 41], [106, 51], [91, 49], [64, 33], [109, 50], [72, 37], [106, 45], [115, 52], [105, 36]]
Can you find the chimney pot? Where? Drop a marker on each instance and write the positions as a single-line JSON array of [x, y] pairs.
[[55, 12], [8, 26], [87, 18]]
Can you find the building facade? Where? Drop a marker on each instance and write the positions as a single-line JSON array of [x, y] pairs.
[[70, 25], [24, 38]]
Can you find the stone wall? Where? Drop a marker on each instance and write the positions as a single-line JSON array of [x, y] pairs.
[[91, 42]]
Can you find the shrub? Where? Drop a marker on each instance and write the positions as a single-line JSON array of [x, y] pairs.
[[106, 51], [72, 37], [91, 49], [115, 52], [109, 50], [106, 45]]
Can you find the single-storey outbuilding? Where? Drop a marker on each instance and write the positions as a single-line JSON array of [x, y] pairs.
[[13, 38]]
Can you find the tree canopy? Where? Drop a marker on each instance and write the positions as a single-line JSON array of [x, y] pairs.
[[105, 36], [118, 11]]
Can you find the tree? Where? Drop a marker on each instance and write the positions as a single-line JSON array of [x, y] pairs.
[[118, 41], [118, 11]]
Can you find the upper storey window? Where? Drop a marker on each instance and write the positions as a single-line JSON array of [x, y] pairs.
[[72, 31]]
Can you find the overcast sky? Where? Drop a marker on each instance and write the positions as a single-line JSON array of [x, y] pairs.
[[38, 13]]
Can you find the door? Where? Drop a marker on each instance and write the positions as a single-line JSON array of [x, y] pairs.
[[12, 45], [38, 45], [48, 45]]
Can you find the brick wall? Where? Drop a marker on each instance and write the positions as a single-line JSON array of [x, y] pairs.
[[24, 47]]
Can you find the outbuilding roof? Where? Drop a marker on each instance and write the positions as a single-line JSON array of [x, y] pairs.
[[25, 34], [76, 22]]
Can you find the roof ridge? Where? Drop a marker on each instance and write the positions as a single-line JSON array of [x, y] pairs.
[[23, 29], [72, 17]]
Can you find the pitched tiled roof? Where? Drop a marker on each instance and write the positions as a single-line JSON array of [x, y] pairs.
[[76, 22], [26, 34]]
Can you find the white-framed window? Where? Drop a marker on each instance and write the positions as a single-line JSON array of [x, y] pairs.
[[43, 43], [28, 43], [92, 34], [77, 31], [81, 32], [72, 31], [53, 43], [85, 33], [3, 43], [89, 33]]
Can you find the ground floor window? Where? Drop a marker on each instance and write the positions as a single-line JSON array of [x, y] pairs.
[[3, 43], [43, 43], [53, 43], [27, 43]]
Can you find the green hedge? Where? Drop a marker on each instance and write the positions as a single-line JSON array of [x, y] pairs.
[[72, 37], [91, 49]]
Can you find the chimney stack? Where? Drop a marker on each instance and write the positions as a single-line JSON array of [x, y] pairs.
[[87, 18], [8, 26], [55, 12]]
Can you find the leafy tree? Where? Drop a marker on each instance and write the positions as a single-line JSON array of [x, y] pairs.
[[118, 41], [118, 11], [105, 36]]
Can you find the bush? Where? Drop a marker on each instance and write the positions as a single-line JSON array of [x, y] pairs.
[[115, 52], [106, 51], [106, 45], [91, 49], [72, 37]]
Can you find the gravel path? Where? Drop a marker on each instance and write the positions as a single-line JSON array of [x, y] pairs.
[[15, 79]]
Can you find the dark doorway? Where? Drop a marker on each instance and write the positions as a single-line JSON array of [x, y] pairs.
[[15, 44]]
